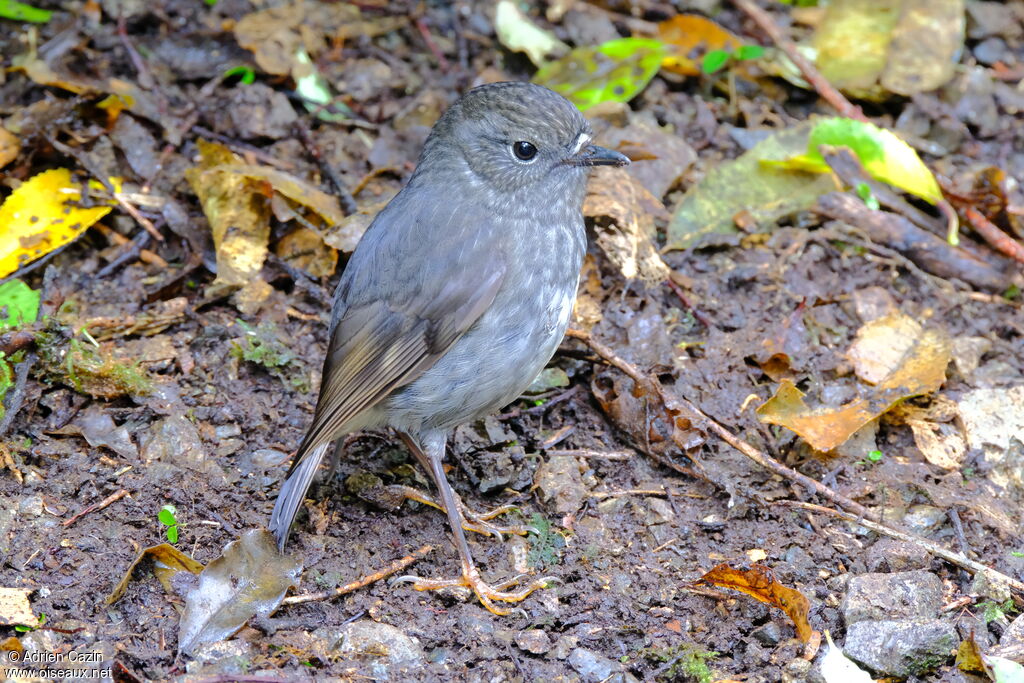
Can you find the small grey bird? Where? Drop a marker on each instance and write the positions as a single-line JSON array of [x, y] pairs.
[[458, 293]]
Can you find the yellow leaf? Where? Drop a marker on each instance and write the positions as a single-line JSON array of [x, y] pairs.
[[40, 216], [692, 36]]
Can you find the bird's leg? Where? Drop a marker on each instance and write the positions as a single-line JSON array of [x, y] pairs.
[[431, 455], [480, 522]]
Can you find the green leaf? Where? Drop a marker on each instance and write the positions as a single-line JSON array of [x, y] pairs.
[[745, 52], [19, 11], [714, 60], [874, 456], [748, 184], [19, 304], [166, 515], [172, 533], [611, 72], [884, 156]]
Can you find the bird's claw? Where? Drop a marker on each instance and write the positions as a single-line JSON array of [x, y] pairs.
[[485, 593]]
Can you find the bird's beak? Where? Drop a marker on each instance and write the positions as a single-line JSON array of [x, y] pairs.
[[592, 155]]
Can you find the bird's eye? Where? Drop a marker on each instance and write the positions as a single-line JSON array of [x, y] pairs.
[[524, 151]]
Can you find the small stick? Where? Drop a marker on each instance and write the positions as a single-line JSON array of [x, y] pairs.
[[393, 568], [809, 71], [348, 202], [590, 453], [998, 239], [958, 559], [442, 61], [678, 291], [109, 500]]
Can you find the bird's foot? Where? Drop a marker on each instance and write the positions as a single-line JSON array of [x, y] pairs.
[[480, 522], [486, 593]]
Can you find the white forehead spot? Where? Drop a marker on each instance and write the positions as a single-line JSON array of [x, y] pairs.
[[581, 140]]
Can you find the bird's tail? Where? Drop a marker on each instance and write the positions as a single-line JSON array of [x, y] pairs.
[[293, 491]]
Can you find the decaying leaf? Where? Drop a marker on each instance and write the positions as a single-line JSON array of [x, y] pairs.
[[691, 36], [881, 344], [167, 561], [305, 249], [939, 439], [746, 184], [905, 47], [623, 213], [921, 369], [992, 420], [250, 577], [9, 146], [519, 34], [15, 609], [277, 34], [237, 199], [615, 71], [238, 209], [759, 583], [41, 215]]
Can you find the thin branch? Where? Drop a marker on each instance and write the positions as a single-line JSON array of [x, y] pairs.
[[393, 568]]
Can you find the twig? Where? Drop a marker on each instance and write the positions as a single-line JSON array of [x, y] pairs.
[[348, 203], [678, 291], [998, 239], [742, 446], [15, 397], [145, 77], [109, 500], [590, 453], [958, 559], [393, 568], [442, 61], [809, 71]]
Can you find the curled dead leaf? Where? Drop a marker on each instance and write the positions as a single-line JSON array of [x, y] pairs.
[[759, 582]]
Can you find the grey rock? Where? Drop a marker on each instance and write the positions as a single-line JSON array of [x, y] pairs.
[[892, 596], [564, 647], [924, 519], [560, 484], [768, 635], [534, 641], [797, 670], [257, 110], [891, 555], [659, 511], [595, 668], [903, 648], [393, 650]]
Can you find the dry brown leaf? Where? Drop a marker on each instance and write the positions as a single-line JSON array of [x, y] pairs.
[[167, 561], [15, 609], [9, 146], [759, 583], [940, 441], [921, 370], [304, 249], [881, 344], [623, 211]]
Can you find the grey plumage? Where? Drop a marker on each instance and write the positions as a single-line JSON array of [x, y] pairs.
[[462, 287]]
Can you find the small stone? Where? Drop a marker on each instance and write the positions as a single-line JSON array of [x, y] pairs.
[[534, 641], [564, 647], [901, 648], [892, 555], [31, 506], [560, 484], [924, 519], [769, 635], [393, 650], [872, 597], [659, 511], [990, 51], [595, 668]]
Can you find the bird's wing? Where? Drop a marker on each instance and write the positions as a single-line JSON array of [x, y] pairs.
[[406, 296]]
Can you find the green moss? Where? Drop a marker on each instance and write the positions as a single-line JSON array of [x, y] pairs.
[[87, 367], [688, 661], [261, 345], [546, 544]]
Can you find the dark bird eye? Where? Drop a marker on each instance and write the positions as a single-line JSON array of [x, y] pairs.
[[524, 151]]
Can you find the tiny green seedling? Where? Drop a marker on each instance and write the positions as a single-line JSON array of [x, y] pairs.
[[168, 519], [1014, 553], [867, 196], [246, 73], [715, 60], [871, 458], [24, 628]]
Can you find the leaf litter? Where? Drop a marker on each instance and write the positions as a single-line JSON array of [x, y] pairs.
[[712, 293]]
